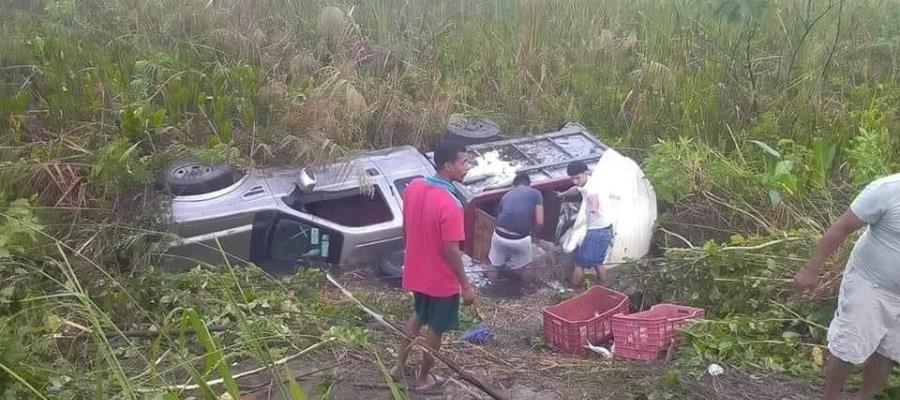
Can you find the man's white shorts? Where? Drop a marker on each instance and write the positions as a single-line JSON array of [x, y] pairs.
[[867, 320], [510, 253]]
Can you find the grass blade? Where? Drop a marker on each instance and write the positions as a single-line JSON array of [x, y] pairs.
[[22, 381], [294, 389], [215, 358], [206, 392], [397, 393]]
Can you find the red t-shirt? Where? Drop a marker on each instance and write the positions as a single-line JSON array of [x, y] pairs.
[[432, 216]]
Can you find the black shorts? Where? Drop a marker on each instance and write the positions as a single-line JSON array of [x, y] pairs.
[[441, 314]]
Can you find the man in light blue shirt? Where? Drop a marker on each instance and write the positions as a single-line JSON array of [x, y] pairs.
[[866, 325]]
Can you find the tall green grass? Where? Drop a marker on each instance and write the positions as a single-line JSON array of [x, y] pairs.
[[244, 78]]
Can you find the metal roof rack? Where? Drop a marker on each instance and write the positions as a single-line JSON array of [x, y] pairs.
[[543, 156]]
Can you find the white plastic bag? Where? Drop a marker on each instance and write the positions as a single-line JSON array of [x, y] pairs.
[[627, 199], [497, 172]]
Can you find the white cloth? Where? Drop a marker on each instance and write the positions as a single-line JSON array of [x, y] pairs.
[[630, 206]]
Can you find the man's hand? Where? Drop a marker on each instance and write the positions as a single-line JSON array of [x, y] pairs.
[[567, 193], [807, 279], [468, 295]]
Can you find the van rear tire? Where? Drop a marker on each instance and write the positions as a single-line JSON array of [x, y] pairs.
[[472, 130], [190, 177]]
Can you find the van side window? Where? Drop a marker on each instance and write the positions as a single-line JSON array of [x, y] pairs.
[[402, 183], [294, 240]]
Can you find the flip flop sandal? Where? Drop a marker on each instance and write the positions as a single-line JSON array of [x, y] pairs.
[[435, 388]]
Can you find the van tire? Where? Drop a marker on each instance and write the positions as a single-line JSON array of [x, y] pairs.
[[471, 131], [190, 177]]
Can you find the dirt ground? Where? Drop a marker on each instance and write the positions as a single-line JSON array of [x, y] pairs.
[[516, 363]]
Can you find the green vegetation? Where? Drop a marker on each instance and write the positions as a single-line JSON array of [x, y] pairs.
[[760, 119]]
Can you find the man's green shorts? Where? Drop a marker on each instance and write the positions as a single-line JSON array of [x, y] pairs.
[[441, 314]]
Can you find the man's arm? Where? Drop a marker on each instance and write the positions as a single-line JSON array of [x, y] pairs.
[[833, 238], [570, 192], [453, 255], [831, 241], [452, 233], [593, 204], [538, 222]]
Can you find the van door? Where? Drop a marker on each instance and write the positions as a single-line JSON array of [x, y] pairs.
[[281, 243], [483, 231]]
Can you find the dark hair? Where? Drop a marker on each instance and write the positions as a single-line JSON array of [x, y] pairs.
[[447, 152], [576, 167], [522, 178]]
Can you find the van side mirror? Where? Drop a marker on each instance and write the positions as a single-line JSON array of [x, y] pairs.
[[307, 181]]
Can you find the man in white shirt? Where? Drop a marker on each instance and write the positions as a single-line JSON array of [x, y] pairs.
[[866, 325], [591, 253]]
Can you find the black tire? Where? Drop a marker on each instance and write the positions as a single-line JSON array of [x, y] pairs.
[[188, 177], [391, 265], [470, 131]]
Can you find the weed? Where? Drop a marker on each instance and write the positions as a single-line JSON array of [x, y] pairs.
[[17, 230]]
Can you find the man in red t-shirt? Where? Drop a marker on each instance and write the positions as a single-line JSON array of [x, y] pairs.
[[432, 267]]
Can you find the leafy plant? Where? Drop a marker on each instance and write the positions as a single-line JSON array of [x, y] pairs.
[[137, 123], [120, 164], [775, 340], [12, 110], [870, 155], [351, 336], [676, 168], [18, 228], [823, 157], [740, 276], [781, 178]]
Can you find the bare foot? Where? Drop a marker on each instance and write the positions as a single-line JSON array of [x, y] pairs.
[[430, 384]]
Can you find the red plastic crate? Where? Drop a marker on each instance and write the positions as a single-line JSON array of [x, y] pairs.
[[647, 335], [569, 325], [638, 354]]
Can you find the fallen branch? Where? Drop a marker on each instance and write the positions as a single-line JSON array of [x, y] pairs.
[[682, 238], [76, 326], [245, 373], [466, 388], [492, 357], [463, 374], [762, 245], [148, 333], [300, 376]]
